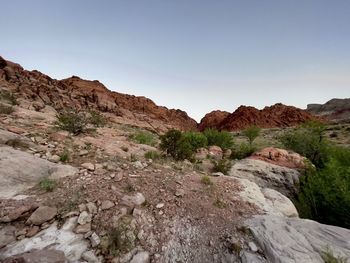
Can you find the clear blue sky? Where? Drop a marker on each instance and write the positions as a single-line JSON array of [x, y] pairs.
[[196, 55]]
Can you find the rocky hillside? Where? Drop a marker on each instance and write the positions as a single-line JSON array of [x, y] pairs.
[[278, 115], [36, 90], [337, 110]]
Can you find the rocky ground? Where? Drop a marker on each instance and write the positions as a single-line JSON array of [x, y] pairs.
[[110, 204]]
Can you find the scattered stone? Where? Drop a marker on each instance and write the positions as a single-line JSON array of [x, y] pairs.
[[141, 257], [82, 207], [89, 166], [7, 235], [84, 218], [160, 205], [91, 207], [95, 240], [81, 229], [118, 177], [179, 193], [253, 247], [32, 231], [136, 199], [106, 204], [41, 215], [55, 158], [90, 257], [217, 174], [83, 152]]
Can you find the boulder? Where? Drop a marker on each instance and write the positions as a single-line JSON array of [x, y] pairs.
[[215, 152], [141, 257], [63, 239], [133, 200], [20, 171], [41, 215], [201, 154], [267, 175], [280, 157], [291, 240], [38, 256]]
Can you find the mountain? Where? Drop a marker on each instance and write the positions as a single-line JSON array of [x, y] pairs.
[[278, 115], [337, 110], [212, 119], [38, 90]]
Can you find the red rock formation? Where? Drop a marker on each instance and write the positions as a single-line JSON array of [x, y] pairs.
[[212, 119], [278, 115], [75, 92]]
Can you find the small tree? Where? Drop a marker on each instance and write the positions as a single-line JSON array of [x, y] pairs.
[[223, 139], [251, 133]]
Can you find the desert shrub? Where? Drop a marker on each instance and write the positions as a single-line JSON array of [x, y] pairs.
[[175, 144], [121, 238], [73, 121], [242, 151], [8, 96], [324, 193], [206, 180], [223, 139], [154, 155], [251, 133], [219, 203], [308, 140], [5, 109], [47, 184], [329, 257], [196, 139], [97, 119], [222, 166], [143, 137], [65, 156]]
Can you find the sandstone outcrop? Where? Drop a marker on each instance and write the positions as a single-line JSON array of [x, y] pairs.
[[337, 110]]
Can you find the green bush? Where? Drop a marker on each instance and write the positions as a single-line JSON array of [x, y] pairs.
[[73, 121], [329, 257], [65, 156], [152, 155], [143, 137], [196, 139], [244, 150], [97, 119], [251, 133], [324, 194], [222, 166], [223, 139], [206, 180], [47, 184], [176, 145], [308, 140]]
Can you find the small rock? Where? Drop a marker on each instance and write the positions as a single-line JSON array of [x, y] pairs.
[[137, 165], [112, 175], [82, 207], [41, 215], [141, 257], [33, 231], [118, 177], [55, 158], [95, 240], [253, 247], [7, 235], [90, 257], [83, 152], [91, 207], [81, 229], [179, 192], [137, 199], [160, 205], [106, 204], [84, 218], [217, 174], [89, 166]]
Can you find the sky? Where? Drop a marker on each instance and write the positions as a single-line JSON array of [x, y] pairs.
[[195, 55]]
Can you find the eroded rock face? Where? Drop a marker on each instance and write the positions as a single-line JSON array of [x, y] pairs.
[[75, 92], [335, 110], [267, 175], [20, 171], [212, 120], [291, 240], [278, 115]]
